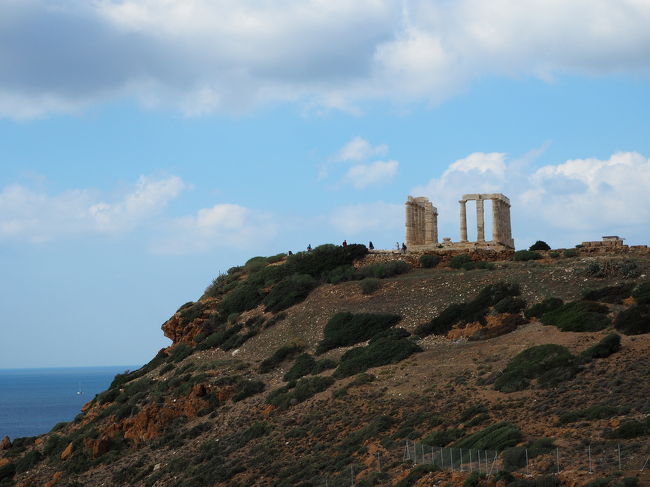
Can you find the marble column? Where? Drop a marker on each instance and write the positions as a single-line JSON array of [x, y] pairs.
[[496, 220], [480, 221], [428, 224], [463, 221], [410, 228]]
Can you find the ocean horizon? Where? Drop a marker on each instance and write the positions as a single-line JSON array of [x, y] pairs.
[[33, 400]]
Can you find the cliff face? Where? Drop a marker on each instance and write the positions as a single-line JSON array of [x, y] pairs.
[[278, 377]]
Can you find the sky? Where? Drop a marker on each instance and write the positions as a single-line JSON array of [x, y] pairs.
[[148, 145]]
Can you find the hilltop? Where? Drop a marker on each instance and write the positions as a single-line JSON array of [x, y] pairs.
[[340, 366]]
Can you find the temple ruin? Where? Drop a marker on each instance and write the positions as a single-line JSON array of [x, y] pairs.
[[422, 224]]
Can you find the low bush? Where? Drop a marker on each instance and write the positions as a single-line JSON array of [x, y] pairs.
[[303, 365], [549, 364], [495, 437], [289, 291], [468, 312], [219, 337], [442, 438], [429, 261], [475, 479], [515, 458], [296, 392], [322, 365], [554, 254], [641, 293], [280, 355], [457, 261], [571, 253], [537, 310], [324, 258], [634, 320], [416, 474], [342, 274], [592, 413], [471, 411], [628, 429], [380, 351], [626, 269], [539, 245], [346, 328], [180, 352], [510, 304], [242, 298], [369, 285], [610, 294], [604, 348], [578, 316], [247, 388], [383, 270], [526, 255], [7, 472]]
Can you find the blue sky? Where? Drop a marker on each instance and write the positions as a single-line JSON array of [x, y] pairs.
[[146, 147]]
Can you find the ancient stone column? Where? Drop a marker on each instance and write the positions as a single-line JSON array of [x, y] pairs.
[[410, 228], [480, 221], [463, 221], [496, 220], [428, 224], [434, 233]]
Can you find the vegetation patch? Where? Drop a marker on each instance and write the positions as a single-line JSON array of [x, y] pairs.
[[549, 364], [584, 316], [369, 285], [242, 298], [604, 348], [515, 458], [443, 437], [610, 294], [429, 261], [324, 258], [289, 291], [537, 310], [526, 255], [634, 320], [510, 304], [465, 262], [626, 269], [345, 328], [297, 392], [381, 350], [641, 293], [303, 365], [495, 437], [416, 474], [468, 312], [629, 429], [539, 245], [280, 355], [601, 411]]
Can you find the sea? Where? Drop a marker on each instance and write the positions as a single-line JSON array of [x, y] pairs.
[[32, 401]]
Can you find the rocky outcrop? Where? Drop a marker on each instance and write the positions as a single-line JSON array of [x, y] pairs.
[[496, 325], [65, 454], [5, 444]]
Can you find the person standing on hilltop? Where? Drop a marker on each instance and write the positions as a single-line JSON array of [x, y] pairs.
[[309, 248], [371, 246], [345, 243]]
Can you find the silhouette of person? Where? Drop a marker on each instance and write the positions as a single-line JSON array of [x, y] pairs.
[[309, 248], [371, 246], [345, 243], [290, 253], [403, 248]]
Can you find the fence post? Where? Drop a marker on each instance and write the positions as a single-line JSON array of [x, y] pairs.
[[619, 457], [470, 460], [557, 459], [526, 461], [496, 454], [451, 458], [589, 453], [478, 454], [442, 459], [460, 466]]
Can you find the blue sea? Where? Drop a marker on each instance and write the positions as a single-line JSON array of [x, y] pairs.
[[32, 401]]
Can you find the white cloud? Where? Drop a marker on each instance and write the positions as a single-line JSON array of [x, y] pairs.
[[205, 56], [223, 225], [35, 216], [359, 149], [576, 199], [362, 218], [375, 173]]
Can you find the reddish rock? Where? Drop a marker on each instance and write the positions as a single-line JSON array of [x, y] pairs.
[[496, 325], [100, 446], [4, 461], [5, 444], [65, 454], [199, 390]]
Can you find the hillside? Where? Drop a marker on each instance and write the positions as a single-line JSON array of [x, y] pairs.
[[338, 367]]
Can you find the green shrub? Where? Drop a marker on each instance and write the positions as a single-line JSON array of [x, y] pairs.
[[495, 437], [627, 269], [429, 261], [381, 351], [471, 311], [550, 364], [634, 321], [510, 304], [443, 437], [604, 348], [383, 270], [474, 480], [610, 294], [571, 253], [180, 352], [526, 255], [346, 328], [289, 291], [369, 285], [457, 261], [322, 365], [303, 365], [280, 355], [537, 310], [324, 258], [342, 274], [554, 254], [416, 474], [515, 458], [539, 245], [219, 337], [628, 429], [578, 316], [641, 293], [247, 388], [471, 411], [7, 472], [242, 298], [592, 413], [297, 392]]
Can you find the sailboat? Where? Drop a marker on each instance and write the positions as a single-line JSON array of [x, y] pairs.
[[80, 390]]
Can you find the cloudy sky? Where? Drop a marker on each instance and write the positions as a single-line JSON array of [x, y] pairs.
[[148, 145]]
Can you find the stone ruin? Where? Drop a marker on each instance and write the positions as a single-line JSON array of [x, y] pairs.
[[422, 224]]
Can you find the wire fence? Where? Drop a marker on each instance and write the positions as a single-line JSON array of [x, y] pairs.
[[596, 457]]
